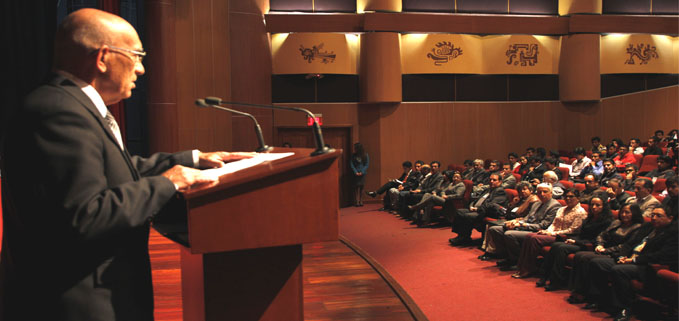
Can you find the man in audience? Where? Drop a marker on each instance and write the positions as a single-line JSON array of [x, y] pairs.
[[488, 205], [631, 172], [493, 168], [508, 238], [617, 197], [591, 186], [410, 183], [393, 183], [625, 156], [596, 145], [530, 152], [611, 151], [664, 169], [468, 169], [557, 188], [660, 134], [671, 201], [654, 243], [596, 166], [635, 146], [508, 179], [427, 185], [479, 175], [581, 162], [536, 171], [551, 164], [609, 172], [643, 197], [513, 160], [653, 148]]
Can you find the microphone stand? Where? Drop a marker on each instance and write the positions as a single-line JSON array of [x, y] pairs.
[[258, 130], [318, 135]]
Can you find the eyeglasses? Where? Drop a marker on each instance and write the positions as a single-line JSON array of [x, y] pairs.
[[570, 196], [629, 170], [138, 55]]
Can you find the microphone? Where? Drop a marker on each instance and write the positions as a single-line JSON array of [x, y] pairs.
[[262, 146], [318, 136]]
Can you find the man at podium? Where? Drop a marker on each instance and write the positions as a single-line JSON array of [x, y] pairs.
[[77, 205]]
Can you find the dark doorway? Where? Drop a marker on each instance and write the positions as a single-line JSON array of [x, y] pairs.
[[336, 137]]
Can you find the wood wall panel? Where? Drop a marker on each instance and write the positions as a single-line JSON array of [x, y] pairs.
[[251, 73], [579, 66], [451, 132]]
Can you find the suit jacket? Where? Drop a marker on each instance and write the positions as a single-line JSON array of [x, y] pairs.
[[480, 177], [431, 183], [491, 205], [77, 211], [413, 181], [541, 215], [660, 249]]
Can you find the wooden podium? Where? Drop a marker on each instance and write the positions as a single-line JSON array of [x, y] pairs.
[[242, 253]]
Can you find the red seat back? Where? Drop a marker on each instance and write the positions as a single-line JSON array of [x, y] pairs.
[[585, 206], [562, 202], [566, 184], [565, 172], [615, 214], [638, 157], [648, 163], [468, 185], [580, 187], [517, 176], [659, 186]]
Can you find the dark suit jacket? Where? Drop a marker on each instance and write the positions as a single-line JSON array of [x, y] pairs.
[[76, 211], [660, 249], [491, 206], [431, 183]]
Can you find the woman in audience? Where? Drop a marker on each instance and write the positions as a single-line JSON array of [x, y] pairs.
[[608, 243], [524, 167], [553, 267], [518, 207], [359, 165], [567, 221]]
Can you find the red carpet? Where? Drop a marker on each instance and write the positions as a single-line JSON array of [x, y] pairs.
[[450, 283]]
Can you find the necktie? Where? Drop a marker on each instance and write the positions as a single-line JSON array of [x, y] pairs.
[[113, 125]]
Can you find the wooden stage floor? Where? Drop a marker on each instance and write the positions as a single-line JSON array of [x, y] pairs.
[[338, 284]]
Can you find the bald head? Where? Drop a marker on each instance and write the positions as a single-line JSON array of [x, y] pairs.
[[83, 32]]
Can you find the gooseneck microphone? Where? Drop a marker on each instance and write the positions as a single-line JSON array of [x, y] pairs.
[[258, 130], [318, 136]]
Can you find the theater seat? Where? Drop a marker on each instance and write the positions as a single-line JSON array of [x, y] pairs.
[[565, 172], [566, 184], [648, 163], [659, 186], [580, 186]]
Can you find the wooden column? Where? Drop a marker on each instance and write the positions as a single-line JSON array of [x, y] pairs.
[[380, 75], [379, 5], [161, 74], [569, 7], [579, 68]]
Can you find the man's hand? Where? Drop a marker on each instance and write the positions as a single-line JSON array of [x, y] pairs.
[[185, 177], [217, 159], [599, 249]]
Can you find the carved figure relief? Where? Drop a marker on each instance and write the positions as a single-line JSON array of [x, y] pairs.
[[309, 54], [444, 52], [641, 51], [527, 54]]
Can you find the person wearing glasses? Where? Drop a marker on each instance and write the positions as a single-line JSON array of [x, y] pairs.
[[489, 204], [653, 243], [77, 206], [630, 175]]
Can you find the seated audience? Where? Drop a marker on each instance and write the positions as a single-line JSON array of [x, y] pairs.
[[513, 160], [508, 179], [642, 190], [429, 184], [630, 175], [479, 175], [392, 183], [596, 166], [597, 146], [536, 169], [553, 269], [557, 187], [530, 152], [671, 200], [507, 238], [410, 183], [664, 169], [607, 244], [617, 197], [523, 168], [624, 158], [591, 186], [611, 151], [581, 162], [551, 164], [451, 188], [653, 148], [493, 168], [635, 146], [654, 243], [609, 172], [567, 221], [488, 205], [468, 169]]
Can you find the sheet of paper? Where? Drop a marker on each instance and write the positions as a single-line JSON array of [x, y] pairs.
[[242, 164]]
